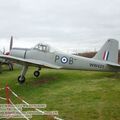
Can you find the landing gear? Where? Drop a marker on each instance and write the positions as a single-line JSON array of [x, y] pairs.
[[10, 65], [36, 73], [21, 78]]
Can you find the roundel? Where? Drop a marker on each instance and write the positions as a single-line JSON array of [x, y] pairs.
[[64, 59]]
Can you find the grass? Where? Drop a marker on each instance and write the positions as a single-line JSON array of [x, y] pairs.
[[76, 95]]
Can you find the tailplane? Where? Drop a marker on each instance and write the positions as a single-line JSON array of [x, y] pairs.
[[109, 51]]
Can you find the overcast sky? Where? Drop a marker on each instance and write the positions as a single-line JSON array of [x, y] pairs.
[[66, 24]]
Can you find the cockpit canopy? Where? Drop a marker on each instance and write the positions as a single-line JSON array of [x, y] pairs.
[[44, 48]]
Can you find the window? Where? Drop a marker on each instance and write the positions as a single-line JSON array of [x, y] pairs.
[[45, 48], [42, 47]]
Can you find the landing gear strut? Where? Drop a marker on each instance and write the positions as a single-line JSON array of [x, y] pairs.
[[21, 78], [10, 65]]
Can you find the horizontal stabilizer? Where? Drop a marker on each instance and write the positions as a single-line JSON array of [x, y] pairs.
[[113, 64]]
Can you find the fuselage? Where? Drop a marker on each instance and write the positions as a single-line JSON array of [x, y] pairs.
[[66, 61]]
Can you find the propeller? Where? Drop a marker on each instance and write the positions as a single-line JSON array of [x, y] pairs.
[[11, 45], [10, 64]]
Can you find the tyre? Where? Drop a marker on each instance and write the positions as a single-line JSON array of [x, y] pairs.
[[36, 73], [21, 79]]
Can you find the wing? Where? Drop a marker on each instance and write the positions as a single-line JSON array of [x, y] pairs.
[[30, 62]]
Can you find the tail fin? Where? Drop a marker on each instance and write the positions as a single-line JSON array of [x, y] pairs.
[[109, 51]]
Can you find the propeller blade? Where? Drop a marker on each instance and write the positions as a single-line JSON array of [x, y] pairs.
[[11, 42]]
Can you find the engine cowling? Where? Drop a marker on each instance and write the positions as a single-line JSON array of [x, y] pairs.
[[18, 52]]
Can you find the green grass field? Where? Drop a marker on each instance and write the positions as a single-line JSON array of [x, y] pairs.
[[76, 95]]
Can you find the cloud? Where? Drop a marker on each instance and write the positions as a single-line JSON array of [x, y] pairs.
[[66, 21]]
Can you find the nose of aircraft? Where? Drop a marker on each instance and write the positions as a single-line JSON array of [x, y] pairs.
[[18, 52]]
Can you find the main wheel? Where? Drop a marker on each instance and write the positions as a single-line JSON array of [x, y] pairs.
[[36, 73], [21, 79]]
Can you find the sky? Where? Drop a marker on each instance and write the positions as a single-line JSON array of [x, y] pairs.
[[69, 25]]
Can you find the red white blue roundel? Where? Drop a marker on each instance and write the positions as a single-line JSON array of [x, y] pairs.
[[64, 59]]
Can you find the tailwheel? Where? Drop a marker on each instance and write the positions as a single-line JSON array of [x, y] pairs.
[[36, 73], [21, 79]]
